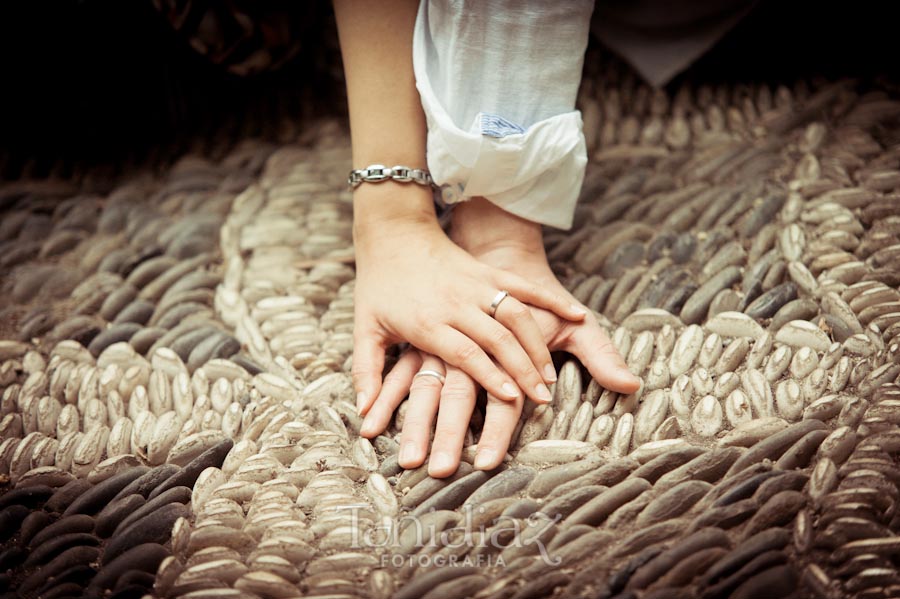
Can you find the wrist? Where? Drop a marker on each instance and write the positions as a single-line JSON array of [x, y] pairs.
[[480, 227], [386, 208]]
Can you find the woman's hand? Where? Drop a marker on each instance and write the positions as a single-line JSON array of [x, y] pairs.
[[415, 285]]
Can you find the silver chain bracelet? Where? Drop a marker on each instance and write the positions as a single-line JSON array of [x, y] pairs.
[[376, 173]]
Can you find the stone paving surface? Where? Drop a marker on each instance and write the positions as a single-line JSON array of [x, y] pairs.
[[178, 418]]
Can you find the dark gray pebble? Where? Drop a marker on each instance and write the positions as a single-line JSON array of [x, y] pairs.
[[562, 507], [50, 548], [420, 585], [63, 526], [767, 540], [453, 495], [138, 311], [247, 364], [800, 453], [761, 215], [173, 495], [675, 301], [621, 576], [184, 345], [505, 484], [215, 346], [62, 591], [176, 314], [145, 338], [780, 581], [774, 446], [114, 334], [74, 556], [152, 528], [93, 500], [65, 495], [81, 328], [665, 561], [144, 558], [798, 309], [80, 574], [11, 519], [725, 586], [116, 511], [521, 508], [770, 302], [727, 516], [659, 245], [624, 257], [792, 480], [31, 496], [683, 248], [135, 578], [742, 489], [187, 476], [11, 557], [779, 510], [148, 481], [655, 468], [34, 523], [696, 307]]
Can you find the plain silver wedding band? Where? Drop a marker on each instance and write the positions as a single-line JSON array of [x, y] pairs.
[[501, 295], [433, 373]]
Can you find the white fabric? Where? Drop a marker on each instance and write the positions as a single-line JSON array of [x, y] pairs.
[[498, 81]]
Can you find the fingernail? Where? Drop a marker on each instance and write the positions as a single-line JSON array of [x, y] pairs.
[[485, 459], [407, 453], [510, 390], [550, 373], [367, 429], [542, 392], [361, 398], [578, 310], [440, 461]]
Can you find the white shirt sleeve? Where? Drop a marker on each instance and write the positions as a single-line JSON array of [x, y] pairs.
[[498, 81]]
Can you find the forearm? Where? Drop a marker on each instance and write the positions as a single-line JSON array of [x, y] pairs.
[[387, 123]]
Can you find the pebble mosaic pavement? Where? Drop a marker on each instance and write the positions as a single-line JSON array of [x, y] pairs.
[[177, 417]]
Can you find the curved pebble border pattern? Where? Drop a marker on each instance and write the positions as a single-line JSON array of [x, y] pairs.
[[178, 418]]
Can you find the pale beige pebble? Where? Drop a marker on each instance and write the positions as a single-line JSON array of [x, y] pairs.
[[139, 402], [59, 378], [68, 420], [119, 441], [94, 413], [792, 242], [44, 452], [665, 341], [653, 409], [726, 383], [652, 449], [559, 427], [554, 451], [711, 351], [216, 535], [789, 400], [20, 461], [33, 362], [778, 363], [28, 407], [108, 382], [621, 439], [36, 384], [568, 387], [840, 375], [658, 376], [209, 480], [601, 430], [52, 476], [221, 368], [606, 402], [202, 405], [650, 319], [814, 384], [762, 347], [680, 398], [211, 421], [734, 325], [231, 420], [536, 425], [164, 437], [135, 376], [802, 333], [121, 354], [581, 422], [199, 382], [72, 350], [189, 447], [330, 420], [7, 449], [111, 466], [364, 455], [382, 495], [221, 395], [686, 350], [737, 408], [11, 426], [804, 362], [223, 571], [751, 432], [707, 416], [641, 352], [804, 279], [859, 345], [702, 382], [48, 410], [89, 450], [622, 340], [281, 486], [342, 562], [115, 407], [757, 388], [168, 362], [823, 480]]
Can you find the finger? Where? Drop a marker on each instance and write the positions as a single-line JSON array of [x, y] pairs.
[[393, 392], [503, 345], [396, 384], [424, 396], [516, 317], [531, 293], [500, 421], [457, 349], [595, 350], [456, 405], [368, 362]]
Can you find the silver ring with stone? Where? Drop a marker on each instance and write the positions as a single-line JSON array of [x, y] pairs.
[[501, 295], [434, 373]]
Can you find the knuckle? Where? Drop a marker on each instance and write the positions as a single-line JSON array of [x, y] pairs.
[[465, 353], [426, 383], [501, 336]]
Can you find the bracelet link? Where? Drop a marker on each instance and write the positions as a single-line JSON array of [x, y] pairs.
[[376, 173]]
